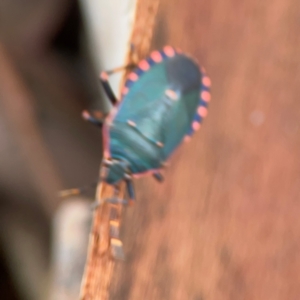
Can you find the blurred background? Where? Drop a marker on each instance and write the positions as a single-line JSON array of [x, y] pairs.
[[225, 224], [47, 79]]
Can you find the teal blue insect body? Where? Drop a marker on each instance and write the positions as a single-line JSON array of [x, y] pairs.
[[162, 104]]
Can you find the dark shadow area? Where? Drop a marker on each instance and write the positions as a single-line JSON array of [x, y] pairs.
[[47, 79]]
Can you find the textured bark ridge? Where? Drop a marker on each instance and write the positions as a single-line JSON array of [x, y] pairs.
[[100, 263], [225, 223]]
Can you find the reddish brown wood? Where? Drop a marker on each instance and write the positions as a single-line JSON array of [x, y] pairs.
[[100, 262], [225, 225]]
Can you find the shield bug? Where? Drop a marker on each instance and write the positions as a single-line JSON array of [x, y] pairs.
[[163, 102]]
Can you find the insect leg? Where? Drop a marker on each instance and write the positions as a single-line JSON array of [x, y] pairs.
[[117, 249], [96, 117], [158, 177], [130, 190], [114, 228], [107, 88], [116, 201], [77, 191]]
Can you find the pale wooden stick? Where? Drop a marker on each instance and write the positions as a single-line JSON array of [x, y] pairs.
[[100, 263]]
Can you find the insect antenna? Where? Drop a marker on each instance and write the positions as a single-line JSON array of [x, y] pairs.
[[96, 117], [77, 191], [158, 176], [106, 86]]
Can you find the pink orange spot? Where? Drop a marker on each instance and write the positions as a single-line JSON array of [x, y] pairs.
[[125, 90], [203, 71], [196, 125], [144, 65], [104, 76], [131, 123], [205, 96], [106, 153], [206, 81], [171, 94], [169, 51], [133, 76], [178, 50], [85, 115], [156, 56], [202, 111], [187, 138]]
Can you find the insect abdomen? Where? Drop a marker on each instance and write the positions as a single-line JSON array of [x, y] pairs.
[[127, 143]]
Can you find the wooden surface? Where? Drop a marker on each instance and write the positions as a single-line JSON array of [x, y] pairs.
[[225, 224], [99, 265], [100, 262]]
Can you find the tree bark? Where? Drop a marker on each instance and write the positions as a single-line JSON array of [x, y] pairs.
[[225, 223]]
